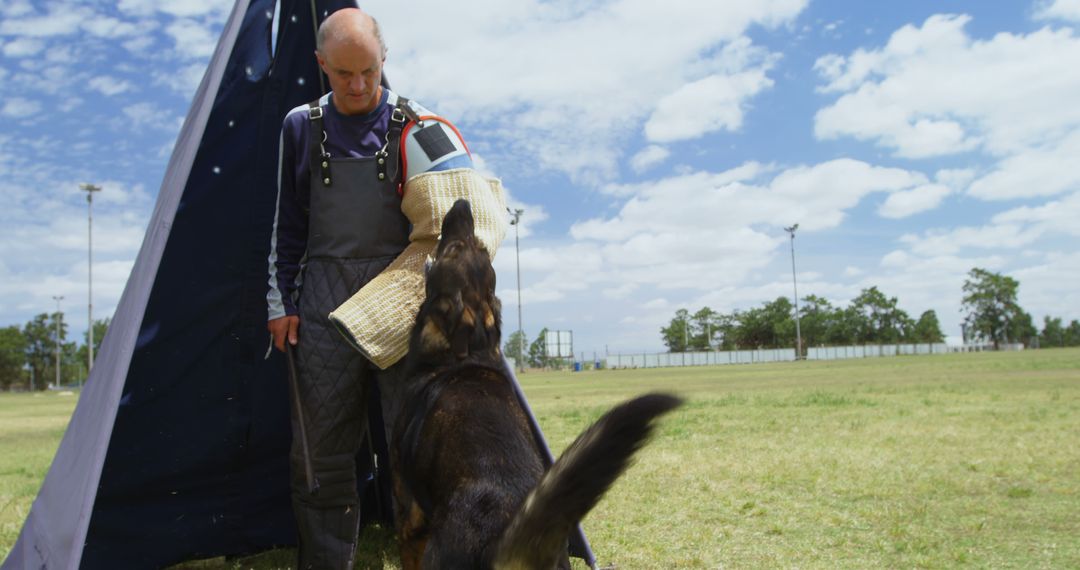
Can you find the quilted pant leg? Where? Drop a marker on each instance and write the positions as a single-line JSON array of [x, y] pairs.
[[333, 382]]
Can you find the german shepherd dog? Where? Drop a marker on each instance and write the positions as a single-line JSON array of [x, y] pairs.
[[469, 483]]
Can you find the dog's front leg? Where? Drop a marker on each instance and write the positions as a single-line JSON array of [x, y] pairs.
[[412, 531]]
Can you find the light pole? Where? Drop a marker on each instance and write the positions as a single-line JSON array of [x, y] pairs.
[[686, 334], [90, 189], [58, 298], [795, 285], [517, 255]]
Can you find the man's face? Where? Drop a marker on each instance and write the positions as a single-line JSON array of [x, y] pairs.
[[355, 71]]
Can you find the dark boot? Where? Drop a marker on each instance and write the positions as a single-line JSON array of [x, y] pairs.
[[327, 536]]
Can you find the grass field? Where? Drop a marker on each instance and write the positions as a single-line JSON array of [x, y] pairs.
[[966, 460]]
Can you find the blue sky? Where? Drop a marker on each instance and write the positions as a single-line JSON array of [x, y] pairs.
[[657, 149]]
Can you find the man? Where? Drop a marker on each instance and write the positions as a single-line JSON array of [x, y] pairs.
[[338, 225]]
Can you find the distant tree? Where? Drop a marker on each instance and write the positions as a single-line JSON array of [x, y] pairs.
[[515, 345], [928, 329], [1072, 334], [780, 315], [878, 319], [1053, 334], [816, 316], [40, 335], [12, 358], [704, 327], [726, 331], [676, 335], [991, 306], [100, 328], [753, 328], [1023, 330], [538, 350], [847, 326]]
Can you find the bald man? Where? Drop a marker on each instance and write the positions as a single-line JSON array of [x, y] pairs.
[[338, 224]]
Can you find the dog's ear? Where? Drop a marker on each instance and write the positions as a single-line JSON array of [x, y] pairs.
[[458, 224]]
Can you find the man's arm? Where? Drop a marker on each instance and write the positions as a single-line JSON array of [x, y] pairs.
[[288, 239]]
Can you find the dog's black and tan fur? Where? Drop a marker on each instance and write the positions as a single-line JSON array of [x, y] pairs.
[[469, 483]]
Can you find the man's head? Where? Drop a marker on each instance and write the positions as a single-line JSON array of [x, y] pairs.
[[350, 50]]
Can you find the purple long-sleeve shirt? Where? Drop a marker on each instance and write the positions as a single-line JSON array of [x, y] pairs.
[[346, 136]]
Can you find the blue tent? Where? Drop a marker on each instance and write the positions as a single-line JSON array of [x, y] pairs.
[[178, 447]]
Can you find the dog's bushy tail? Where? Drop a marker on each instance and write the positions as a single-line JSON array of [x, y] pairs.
[[537, 534]]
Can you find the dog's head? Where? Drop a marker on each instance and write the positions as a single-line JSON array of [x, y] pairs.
[[460, 318]]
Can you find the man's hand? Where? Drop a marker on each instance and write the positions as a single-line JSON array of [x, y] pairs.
[[282, 328]]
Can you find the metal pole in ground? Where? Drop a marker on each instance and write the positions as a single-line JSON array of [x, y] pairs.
[[517, 254], [90, 189], [795, 285], [58, 298]]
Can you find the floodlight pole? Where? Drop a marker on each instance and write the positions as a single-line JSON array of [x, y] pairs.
[[795, 285], [517, 255], [90, 189], [686, 334], [58, 298]]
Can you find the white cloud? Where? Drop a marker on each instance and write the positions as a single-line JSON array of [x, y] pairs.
[[703, 106], [1059, 9], [1054, 217], [820, 194], [933, 90], [60, 21], [106, 27], [649, 157], [145, 114], [704, 231], [908, 202], [1003, 236], [18, 107], [1048, 286], [955, 178], [184, 80], [620, 291], [139, 44], [109, 86], [179, 8], [1041, 171], [580, 81], [192, 39], [16, 8], [61, 55], [23, 47]]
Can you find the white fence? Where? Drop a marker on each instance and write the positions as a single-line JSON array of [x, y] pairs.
[[873, 351], [712, 358], [669, 359]]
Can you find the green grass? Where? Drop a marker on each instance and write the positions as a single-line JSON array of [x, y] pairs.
[[967, 460], [31, 426]]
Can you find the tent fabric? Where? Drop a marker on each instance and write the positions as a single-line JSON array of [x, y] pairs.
[[178, 448], [196, 463]]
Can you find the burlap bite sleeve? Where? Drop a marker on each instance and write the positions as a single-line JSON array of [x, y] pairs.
[[378, 318]]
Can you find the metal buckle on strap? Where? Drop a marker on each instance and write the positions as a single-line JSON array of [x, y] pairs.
[[398, 116], [315, 113]]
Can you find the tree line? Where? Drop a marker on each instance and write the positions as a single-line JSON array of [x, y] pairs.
[[992, 315], [28, 353]]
